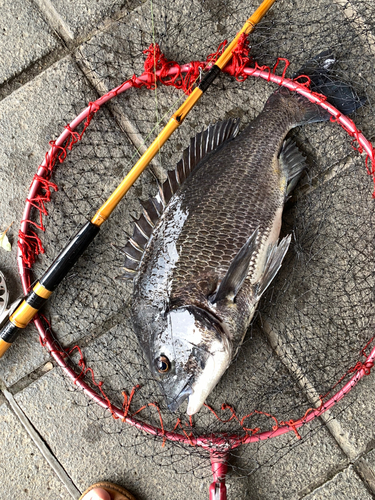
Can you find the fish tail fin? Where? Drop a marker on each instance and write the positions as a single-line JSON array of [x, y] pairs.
[[323, 80]]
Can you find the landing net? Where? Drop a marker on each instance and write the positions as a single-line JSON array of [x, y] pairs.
[[312, 338]]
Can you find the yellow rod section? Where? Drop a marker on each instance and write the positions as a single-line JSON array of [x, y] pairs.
[[23, 315], [4, 346], [175, 121]]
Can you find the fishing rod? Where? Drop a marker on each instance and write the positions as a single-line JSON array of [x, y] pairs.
[[36, 298]]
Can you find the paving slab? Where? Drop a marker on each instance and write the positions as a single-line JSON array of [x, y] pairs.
[[344, 486], [25, 474], [24, 37]]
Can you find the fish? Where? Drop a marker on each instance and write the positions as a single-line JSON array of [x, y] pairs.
[[206, 247]]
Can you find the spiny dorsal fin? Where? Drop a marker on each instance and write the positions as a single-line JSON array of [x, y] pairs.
[[133, 255], [150, 211], [200, 146]]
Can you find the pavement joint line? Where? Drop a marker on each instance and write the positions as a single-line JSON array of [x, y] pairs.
[[330, 477], [31, 377], [33, 70], [42, 446], [69, 45], [331, 474], [55, 21], [327, 175], [366, 474], [136, 139], [286, 357], [98, 332], [82, 342]]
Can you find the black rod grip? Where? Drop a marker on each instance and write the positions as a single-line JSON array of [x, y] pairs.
[[209, 77], [69, 256], [9, 332], [60, 267]]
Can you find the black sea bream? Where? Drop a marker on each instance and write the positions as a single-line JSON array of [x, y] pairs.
[[207, 248]]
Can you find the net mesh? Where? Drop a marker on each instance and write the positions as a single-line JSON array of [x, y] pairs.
[[314, 327]]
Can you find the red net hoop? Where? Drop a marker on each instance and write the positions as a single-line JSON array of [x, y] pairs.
[[30, 245]]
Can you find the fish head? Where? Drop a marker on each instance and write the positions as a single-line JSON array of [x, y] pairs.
[[189, 356]]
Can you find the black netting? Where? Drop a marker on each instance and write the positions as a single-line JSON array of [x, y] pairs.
[[318, 315]]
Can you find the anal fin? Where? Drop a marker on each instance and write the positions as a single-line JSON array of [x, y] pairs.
[[293, 163], [274, 259]]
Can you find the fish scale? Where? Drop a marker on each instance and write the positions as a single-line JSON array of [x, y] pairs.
[[235, 192]]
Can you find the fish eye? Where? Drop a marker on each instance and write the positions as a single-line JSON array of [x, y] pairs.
[[163, 364]]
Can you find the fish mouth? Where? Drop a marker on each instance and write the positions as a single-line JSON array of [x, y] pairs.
[[175, 403]]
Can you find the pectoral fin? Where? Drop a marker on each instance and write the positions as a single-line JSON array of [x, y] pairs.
[[274, 259], [237, 271]]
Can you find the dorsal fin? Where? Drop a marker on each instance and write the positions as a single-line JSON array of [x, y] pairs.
[[200, 146]]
